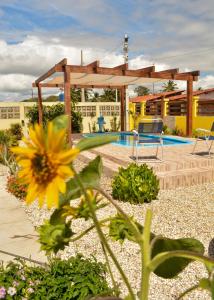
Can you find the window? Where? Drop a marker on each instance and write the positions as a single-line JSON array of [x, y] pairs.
[[138, 108]]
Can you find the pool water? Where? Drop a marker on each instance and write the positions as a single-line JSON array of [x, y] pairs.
[[126, 139]]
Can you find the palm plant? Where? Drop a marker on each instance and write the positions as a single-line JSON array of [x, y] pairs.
[[169, 86]]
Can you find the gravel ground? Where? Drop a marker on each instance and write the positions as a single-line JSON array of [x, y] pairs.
[[184, 212]]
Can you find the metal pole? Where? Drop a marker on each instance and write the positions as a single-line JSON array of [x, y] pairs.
[[82, 89], [125, 49], [125, 109]]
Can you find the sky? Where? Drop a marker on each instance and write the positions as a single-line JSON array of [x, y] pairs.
[[35, 35]]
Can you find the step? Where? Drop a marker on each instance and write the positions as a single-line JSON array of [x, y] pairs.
[[185, 177], [170, 179]]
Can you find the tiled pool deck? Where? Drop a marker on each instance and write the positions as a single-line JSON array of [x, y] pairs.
[[178, 168]]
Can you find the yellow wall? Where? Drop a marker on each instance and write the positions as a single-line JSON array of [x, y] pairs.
[[203, 122], [179, 121], [140, 118]]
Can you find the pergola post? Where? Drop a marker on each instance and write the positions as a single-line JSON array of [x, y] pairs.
[[40, 103], [122, 107], [189, 107], [67, 97]]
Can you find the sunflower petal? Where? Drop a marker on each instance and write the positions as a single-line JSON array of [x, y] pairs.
[[60, 184], [52, 196], [65, 172], [32, 193], [67, 156]]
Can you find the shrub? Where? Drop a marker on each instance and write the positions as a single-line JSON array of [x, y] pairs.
[[16, 188], [115, 124], [51, 112], [135, 184], [4, 138], [177, 131], [166, 129], [75, 278], [16, 131]]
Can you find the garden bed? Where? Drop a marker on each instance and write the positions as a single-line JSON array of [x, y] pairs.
[[184, 212]]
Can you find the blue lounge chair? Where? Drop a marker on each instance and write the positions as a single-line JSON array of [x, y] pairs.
[[150, 127], [207, 137]]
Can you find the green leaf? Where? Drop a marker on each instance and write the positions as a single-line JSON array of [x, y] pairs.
[[90, 178], [204, 283], [119, 229], [173, 266], [92, 142], [57, 217], [60, 122], [54, 237]]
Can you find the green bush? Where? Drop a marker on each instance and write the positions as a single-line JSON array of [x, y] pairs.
[[177, 131], [16, 131], [75, 278], [166, 129], [4, 138], [135, 184], [51, 112]]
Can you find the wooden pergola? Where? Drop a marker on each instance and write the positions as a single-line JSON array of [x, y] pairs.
[[119, 77]]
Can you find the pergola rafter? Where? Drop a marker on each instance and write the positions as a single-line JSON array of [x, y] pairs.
[[118, 77]]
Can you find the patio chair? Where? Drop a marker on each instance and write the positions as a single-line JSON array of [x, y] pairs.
[[151, 127], [206, 136]]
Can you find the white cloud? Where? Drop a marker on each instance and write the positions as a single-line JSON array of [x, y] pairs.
[[21, 63]]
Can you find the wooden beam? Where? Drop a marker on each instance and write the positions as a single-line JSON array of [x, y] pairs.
[[193, 73], [122, 107], [189, 107], [78, 86], [118, 71], [40, 104], [56, 68], [170, 71], [140, 72], [67, 97]]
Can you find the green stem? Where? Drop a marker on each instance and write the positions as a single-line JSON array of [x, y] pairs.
[[146, 256], [161, 257], [131, 224], [88, 230], [188, 291], [110, 271], [103, 239]]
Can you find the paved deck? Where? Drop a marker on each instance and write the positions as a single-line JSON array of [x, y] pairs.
[[17, 235], [178, 168]]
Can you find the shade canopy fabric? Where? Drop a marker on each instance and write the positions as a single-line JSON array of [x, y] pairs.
[[100, 80]]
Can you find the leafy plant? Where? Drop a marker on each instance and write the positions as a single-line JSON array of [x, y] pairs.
[[115, 125], [166, 129], [177, 131], [51, 112], [160, 255], [77, 278], [169, 86], [135, 184], [4, 138], [16, 131], [16, 188]]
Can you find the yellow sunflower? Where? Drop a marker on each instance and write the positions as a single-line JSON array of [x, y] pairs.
[[44, 164]]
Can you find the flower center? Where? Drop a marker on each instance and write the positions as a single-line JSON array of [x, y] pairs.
[[44, 170]]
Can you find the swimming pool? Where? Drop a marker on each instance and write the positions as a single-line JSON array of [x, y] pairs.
[[126, 139]]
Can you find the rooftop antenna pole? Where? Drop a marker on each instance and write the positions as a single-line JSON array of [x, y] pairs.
[[82, 89], [126, 49]]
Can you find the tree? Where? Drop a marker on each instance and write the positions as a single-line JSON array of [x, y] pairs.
[[109, 95], [76, 95], [169, 86], [142, 90], [51, 112]]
